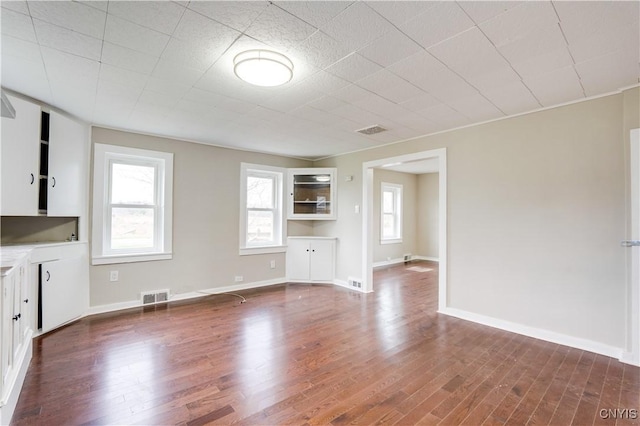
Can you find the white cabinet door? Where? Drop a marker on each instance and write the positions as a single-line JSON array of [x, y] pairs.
[[20, 160], [321, 260], [7, 325], [298, 259], [67, 158], [65, 291]]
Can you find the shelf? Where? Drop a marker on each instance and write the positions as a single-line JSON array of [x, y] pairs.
[[313, 183], [312, 202]]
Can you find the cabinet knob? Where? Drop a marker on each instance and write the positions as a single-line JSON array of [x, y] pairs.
[[48, 275], [26, 300], [312, 251], [33, 178], [307, 249], [16, 317], [54, 182]]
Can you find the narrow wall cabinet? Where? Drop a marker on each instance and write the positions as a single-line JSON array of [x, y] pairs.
[[312, 194], [311, 259]]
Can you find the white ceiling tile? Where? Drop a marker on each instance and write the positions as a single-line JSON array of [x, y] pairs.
[[128, 59], [19, 6], [426, 72], [133, 36], [399, 12], [444, 20], [316, 116], [67, 41], [156, 99], [17, 25], [320, 50], [70, 70], [623, 37], [327, 103], [72, 15], [611, 72], [23, 75], [191, 54], [97, 4], [110, 92], [542, 64], [235, 14], [512, 98], [169, 70], [389, 86], [322, 82], [580, 20], [351, 93], [556, 87], [472, 56], [167, 87], [194, 26], [19, 48], [278, 28], [219, 101], [446, 116], [420, 102], [477, 108], [481, 11], [353, 68], [75, 100], [292, 98], [357, 26], [316, 13], [381, 106], [126, 78], [390, 48], [358, 115], [162, 16], [520, 21]]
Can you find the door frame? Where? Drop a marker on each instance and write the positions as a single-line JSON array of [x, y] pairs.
[[367, 216], [632, 353]]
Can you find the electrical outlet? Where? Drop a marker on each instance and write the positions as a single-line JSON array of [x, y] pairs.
[[239, 278], [113, 276], [273, 264]]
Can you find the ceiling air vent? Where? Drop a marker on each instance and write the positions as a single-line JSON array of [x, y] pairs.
[[372, 130]]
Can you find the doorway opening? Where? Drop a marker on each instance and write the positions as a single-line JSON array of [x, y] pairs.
[[436, 159]]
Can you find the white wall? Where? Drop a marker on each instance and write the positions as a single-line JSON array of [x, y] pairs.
[[536, 208], [428, 216], [206, 208]]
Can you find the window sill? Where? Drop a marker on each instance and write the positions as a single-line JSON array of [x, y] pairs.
[[130, 258], [393, 241], [247, 251]]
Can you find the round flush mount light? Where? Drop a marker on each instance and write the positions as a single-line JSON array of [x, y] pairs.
[[263, 68]]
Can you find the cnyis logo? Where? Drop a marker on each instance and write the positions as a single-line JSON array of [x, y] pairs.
[[619, 413]]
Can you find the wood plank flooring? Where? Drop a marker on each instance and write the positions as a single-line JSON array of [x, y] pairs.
[[317, 354]]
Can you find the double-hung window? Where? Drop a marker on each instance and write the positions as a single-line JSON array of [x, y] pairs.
[[391, 213], [261, 205], [131, 205]]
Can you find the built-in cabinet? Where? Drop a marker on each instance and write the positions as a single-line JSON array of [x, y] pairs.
[[16, 333], [312, 194], [44, 157], [311, 259]]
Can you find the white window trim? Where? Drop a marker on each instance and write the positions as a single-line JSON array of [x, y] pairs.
[[163, 161], [245, 250], [397, 189]]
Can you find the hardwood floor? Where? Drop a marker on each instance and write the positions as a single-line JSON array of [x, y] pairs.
[[316, 354]]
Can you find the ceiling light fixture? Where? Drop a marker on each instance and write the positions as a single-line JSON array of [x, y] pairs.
[[263, 68]]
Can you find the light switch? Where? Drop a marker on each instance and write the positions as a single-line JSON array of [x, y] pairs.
[[357, 209]]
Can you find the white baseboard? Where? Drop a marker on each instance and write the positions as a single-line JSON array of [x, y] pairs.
[[537, 333], [345, 284], [401, 260], [628, 358], [100, 309]]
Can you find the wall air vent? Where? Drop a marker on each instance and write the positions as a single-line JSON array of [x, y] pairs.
[[156, 296], [372, 130]]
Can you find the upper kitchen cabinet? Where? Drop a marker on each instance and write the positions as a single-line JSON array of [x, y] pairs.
[[20, 159], [67, 166], [44, 163], [312, 194]]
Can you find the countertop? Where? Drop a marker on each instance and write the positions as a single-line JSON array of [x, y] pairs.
[[12, 254]]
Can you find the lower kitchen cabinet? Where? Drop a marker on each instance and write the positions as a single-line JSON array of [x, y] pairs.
[[311, 259]]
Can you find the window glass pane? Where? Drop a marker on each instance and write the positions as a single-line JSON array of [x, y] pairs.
[[260, 227], [260, 192], [132, 184], [387, 202], [388, 226], [132, 228]]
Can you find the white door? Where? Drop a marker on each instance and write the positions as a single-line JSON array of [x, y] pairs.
[[633, 319], [321, 260], [298, 259], [67, 157], [65, 293], [20, 160]]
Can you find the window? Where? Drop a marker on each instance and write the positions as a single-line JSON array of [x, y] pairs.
[[132, 205], [261, 218], [391, 213]]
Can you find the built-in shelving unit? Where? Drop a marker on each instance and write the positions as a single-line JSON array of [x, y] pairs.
[[312, 194]]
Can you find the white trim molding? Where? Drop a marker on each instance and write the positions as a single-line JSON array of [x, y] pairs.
[[536, 333]]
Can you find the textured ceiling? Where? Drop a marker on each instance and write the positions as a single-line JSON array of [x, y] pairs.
[[414, 68]]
